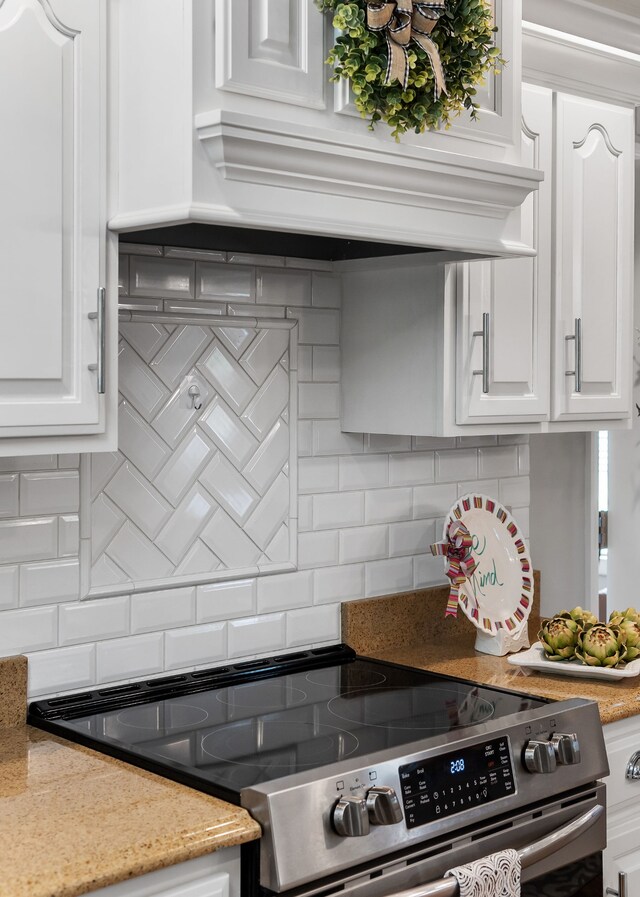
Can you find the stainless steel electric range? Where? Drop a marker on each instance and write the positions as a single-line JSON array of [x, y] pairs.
[[368, 778]]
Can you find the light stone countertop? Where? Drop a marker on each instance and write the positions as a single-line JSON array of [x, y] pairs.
[[73, 820], [411, 629]]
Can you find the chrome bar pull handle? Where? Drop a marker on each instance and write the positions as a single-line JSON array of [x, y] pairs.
[[622, 887], [577, 337], [99, 317], [548, 846], [633, 767], [484, 333]]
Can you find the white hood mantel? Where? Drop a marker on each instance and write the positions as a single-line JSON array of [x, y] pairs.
[[412, 194], [213, 132]]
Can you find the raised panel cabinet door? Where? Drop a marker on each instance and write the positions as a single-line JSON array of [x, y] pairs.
[[273, 49], [621, 861], [594, 259], [503, 306], [51, 232]]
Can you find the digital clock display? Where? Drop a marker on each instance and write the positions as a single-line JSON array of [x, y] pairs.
[[450, 783]]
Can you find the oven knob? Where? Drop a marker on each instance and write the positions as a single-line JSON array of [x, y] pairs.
[[567, 748], [350, 817], [540, 756], [383, 806]]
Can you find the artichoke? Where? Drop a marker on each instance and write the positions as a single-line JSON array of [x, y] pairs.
[[584, 618], [559, 637], [617, 616], [631, 632], [602, 646]]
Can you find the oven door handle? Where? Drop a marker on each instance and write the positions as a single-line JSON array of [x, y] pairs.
[[539, 850]]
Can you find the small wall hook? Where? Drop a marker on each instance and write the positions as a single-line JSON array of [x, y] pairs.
[[196, 400]]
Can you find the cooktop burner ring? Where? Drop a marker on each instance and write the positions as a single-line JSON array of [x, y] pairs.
[[321, 742], [194, 716], [262, 695], [453, 712], [320, 677]]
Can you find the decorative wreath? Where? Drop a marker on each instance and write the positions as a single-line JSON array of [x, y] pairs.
[[413, 64]]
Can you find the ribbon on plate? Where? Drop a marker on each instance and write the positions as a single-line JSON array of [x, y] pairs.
[[404, 21], [460, 563]]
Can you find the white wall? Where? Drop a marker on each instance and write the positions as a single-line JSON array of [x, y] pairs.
[[368, 509], [560, 464]]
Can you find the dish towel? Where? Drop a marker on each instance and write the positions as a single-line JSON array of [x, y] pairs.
[[496, 875]]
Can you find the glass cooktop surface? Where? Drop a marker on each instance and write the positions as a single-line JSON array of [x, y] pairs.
[[227, 738]]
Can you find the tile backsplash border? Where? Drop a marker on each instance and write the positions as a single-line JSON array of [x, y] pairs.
[[368, 506], [89, 590]]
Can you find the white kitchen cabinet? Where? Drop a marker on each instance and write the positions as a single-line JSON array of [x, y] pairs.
[[503, 307], [558, 351], [522, 351], [594, 198], [622, 855], [213, 875], [52, 225]]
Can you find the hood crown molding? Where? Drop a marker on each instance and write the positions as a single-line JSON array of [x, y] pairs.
[[252, 150], [579, 65], [615, 23]]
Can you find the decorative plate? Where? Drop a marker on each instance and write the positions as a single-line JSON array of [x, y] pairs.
[[534, 659], [499, 593]]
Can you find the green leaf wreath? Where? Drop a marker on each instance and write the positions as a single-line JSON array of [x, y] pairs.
[[464, 37]]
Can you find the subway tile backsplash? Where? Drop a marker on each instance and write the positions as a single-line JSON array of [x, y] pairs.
[[367, 508]]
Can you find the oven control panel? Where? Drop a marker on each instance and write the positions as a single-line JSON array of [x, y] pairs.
[[441, 786]]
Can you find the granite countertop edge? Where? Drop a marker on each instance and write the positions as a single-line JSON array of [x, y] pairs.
[[73, 821]]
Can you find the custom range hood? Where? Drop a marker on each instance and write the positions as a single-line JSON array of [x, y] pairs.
[[227, 117]]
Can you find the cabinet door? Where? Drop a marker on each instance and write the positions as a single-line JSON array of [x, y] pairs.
[[623, 824], [52, 232], [273, 50], [594, 263], [622, 857], [511, 298]]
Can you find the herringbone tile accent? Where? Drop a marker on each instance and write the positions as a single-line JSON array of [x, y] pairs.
[[192, 490]]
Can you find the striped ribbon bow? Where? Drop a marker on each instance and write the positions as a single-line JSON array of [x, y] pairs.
[[460, 563], [404, 21]]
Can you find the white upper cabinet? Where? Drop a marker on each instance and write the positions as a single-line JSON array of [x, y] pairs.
[[586, 149], [503, 350], [52, 223], [521, 351], [594, 259]]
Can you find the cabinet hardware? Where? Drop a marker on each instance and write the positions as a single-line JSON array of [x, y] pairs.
[[577, 337], [484, 333], [603, 530], [622, 886], [99, 316], [633, 767]]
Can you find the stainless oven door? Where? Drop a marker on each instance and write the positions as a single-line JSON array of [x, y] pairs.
[[569, 880], [550, 838]]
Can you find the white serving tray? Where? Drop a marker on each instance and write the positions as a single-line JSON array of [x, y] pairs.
[[534, 659]]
